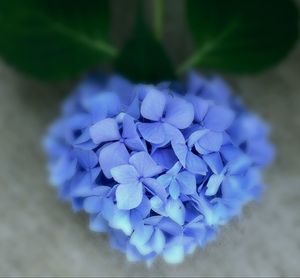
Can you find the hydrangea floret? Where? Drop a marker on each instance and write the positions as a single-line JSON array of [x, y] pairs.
[[159, 168]]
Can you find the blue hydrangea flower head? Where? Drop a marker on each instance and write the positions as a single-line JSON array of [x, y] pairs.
[[157, 170]]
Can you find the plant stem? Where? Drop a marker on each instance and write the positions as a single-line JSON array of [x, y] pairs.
[[194, 59], [158, 7], [208, 47]]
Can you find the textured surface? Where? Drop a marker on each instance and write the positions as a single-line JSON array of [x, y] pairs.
[[39, 236]]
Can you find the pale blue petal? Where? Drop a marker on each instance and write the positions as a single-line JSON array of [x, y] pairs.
[[214, 161], [230, 152], [104, 131], [175, 169], [135, 144], [63, 170], [152, 132], [129, 127], [164, 180], [124, 174], [157, 205], [121, 220], [200, 107], [218, 118], [92, 204], [211, 141], [87, 159], [153, 220], [195, 164], [134, 107], [173, 134], [164, 157], [174, 189], [86, 182], [112, 155], [176, 211], [108, 208], [132, 254], [98, 223], [157, 241], [144, 249], [145, 165], [136, 217], [84, 137], [155, 188], [141, 235], [201, 150], [187, 182], [239, 165], [195, 136], [169, 226], [179, 113], [261, 151], [129, 196], [103, 104], [181, 152], [174, 254], [213, 184], [144, 207], [153, 105]]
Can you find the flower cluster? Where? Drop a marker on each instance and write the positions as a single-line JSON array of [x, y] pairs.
[[158, 168]]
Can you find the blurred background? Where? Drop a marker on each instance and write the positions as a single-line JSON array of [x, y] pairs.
[[40, 236]]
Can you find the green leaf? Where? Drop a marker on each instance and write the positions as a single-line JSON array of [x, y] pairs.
[[240, 36], [53, 39], [143, 58]]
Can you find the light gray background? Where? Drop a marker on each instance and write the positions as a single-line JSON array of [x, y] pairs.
[[40, 236]]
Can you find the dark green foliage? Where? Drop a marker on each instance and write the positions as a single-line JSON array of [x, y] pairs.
[[241, 36]]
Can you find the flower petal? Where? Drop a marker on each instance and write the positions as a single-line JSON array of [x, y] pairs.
[[164, 180], [129, 196], [173, 134], [169, 226], [218, 118], [176, 211], [87, 159], [214, 161], [211, 141], [195, 136], [179, 113], [153, 105], [195, 164], [141, 235], [174, 254], [187, 182], [145, 165], [144, 207], [181, 152], [175, 169], [213, 184], [124, 174], [157, 205], [164, 157], [174, 189], [92, 204], [155, 188], [201, 108], [152, 132], [98, 223], [157, 241], [121, 220], [129, 127], [135, 144], [112, 155], [104, 131], [63, 170]]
